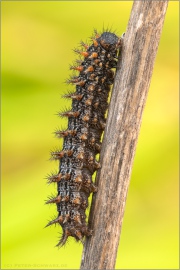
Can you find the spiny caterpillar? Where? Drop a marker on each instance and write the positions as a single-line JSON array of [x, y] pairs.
[[86, 122]]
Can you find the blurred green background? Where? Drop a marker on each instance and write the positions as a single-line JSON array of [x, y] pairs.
[[37, 42]]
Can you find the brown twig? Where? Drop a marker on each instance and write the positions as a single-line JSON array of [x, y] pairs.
[[135, 67]]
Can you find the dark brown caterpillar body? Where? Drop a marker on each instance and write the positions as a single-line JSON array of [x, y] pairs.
[[86, 122]]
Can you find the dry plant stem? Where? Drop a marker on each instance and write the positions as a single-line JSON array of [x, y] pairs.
[[132, 81]]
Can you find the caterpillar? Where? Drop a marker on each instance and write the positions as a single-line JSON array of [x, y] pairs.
[[82, 138]]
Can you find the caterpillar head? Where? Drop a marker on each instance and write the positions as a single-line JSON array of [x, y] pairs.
[[109, 41]]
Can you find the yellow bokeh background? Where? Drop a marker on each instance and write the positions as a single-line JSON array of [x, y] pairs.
[[37, 42]]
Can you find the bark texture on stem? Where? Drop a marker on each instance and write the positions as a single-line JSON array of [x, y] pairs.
[[131, 86]]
